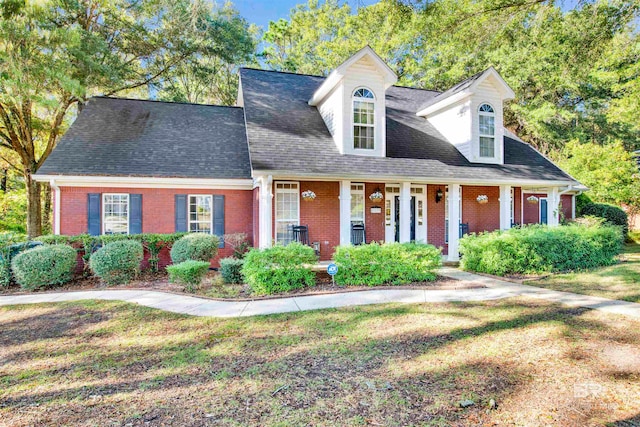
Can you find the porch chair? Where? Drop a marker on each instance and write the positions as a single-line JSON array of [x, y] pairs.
[[357, 234], [301, 234], [464, 229]]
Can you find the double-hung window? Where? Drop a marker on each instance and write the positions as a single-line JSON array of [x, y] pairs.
[[486, 119], [363, 119], [115, 213], [201, 213], [287, 210]]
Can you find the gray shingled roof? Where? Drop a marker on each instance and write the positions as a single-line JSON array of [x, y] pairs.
[[287, 135], [465, 84], [125, 137]]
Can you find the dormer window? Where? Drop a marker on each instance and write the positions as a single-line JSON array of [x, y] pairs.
[[363, 114], [487, 120]]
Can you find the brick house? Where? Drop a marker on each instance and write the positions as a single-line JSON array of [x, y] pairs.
[[441, 164]]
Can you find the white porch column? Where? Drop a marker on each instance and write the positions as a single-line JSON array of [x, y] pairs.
[[553, 205], [454, 221], [405, 212], [345, 212], [505, 207], [265, 210]]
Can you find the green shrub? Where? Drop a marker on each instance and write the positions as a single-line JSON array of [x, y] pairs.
[[7, 240], [195, 246], [117, 262], [190, 273], [279, 269], [231, 270], [155, 242], [613, 215], [44, 266], [540, 249], [390, 263]]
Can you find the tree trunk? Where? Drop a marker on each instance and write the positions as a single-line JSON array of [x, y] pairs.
[[3, 180], [47, 226], [34, 216]]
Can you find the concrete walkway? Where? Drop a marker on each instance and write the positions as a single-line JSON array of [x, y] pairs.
[[495, 289]]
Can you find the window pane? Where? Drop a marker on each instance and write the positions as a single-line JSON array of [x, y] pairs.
[[486, 147], [116, 213], [487, 125], [357, 206], [200, 214]]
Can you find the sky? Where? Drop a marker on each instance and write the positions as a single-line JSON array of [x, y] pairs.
[[260, 12]]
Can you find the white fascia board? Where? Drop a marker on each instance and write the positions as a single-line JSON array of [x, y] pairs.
[[444, 103], [285, 175], [508, 92], [390, 78], [145, 182]]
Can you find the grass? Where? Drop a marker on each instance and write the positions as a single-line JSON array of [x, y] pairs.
[[107, 363], [620, 281]]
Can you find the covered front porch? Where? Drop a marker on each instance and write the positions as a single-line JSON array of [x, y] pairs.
[[325, 214]]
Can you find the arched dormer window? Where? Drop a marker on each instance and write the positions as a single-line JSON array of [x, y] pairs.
[[363, 119], [487, 120]]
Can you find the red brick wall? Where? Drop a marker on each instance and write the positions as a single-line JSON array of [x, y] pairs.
[[517, 203], [322, 215], [565, 203], [481, 217], [256, 217], [435, 216], [158, 206], [374, 223], [531, 212]]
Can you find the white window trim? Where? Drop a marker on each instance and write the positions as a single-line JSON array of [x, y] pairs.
[[364, 201], [354, 124], [189, 212], [275, 209], [104, 211], [481, 135]]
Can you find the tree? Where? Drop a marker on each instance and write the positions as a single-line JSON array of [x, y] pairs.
[[212, 79], [610, 171], [54, 54]]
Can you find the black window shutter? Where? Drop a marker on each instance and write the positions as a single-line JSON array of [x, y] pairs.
[[93, 214], [218, 218], [135, 213], [181, 213]]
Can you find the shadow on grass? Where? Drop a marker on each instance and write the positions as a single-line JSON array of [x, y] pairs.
[[333, 369]]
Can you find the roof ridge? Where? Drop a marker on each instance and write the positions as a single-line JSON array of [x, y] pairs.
[[163, 102], [283, 72]]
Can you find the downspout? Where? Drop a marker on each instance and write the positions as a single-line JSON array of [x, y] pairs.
[[569, 188], [56, 206]]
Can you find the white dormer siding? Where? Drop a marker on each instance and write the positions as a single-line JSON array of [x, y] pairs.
[[454, 123], [486, 93], [334, 100], [457, 116]]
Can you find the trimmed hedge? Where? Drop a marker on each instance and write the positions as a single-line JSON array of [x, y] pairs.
[[195, 246], [117, 262], [390, 263], [190, 273], [7, 242], [231, 270], [153, 243], [612, 214], [279, 269], [540, 249], [44, 266]]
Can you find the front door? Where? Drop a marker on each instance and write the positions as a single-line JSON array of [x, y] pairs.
[[397, 218], [543, 211]]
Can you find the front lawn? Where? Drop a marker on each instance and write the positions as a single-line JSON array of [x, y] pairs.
[[620, 281], [106, 363]]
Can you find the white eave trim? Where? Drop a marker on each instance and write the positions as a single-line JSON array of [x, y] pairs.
[[286, 175], [390, 78], [444, 103], [507, 93], [145, 182]]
